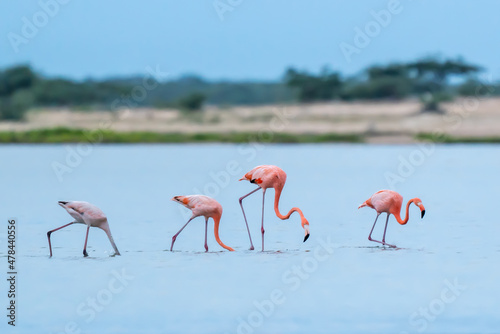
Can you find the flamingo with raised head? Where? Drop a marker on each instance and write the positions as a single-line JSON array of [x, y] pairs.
[[390, 202], [204, 206], [88, 214], [269, 176]]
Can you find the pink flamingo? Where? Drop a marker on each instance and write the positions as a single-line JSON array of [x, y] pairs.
[[390, 202], [268, 176], [205, 206], [88, 214]]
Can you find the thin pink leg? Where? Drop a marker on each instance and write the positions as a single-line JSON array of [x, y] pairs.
[[175, 236], [206, 228], [50, 232], [370, 236], [244, 216], [262, 226], [385, 230], [85, 246]]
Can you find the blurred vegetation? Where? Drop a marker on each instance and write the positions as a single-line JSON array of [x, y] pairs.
[[325, 86], [16, 92], [191, 102], [432, 80], [67, 135], [447, 139]]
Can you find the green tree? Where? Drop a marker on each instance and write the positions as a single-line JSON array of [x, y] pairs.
[[15, 107], [191, 102], [322, 87], [16, 96], [432, 76], [19, 77]]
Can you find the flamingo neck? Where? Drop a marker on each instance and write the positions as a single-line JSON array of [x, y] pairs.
[[106, 229], [277, 195], [216, 233], [398, 216]]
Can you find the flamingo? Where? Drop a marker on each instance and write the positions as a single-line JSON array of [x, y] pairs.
[[205, 206], [390, 202], [268, 176], [88, 214]]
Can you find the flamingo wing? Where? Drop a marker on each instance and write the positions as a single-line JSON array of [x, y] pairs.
[[83, 212], [266, 176], [200, 205], [386, 200]]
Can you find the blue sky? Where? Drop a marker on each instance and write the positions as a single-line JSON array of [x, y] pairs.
[[257, 39]]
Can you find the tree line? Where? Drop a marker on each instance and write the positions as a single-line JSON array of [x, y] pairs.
[[432, 80]]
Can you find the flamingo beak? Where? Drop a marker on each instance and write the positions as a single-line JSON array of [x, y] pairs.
[[243, 178], [422, 208], [306, 227]]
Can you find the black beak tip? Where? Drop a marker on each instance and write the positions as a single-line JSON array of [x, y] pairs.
[[62, 202], [306, 237], [423, 213]]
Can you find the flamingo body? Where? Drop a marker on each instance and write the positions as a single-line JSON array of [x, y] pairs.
[[205, 206], [265, 177], [390, 202], [385, 201], [84, 213], [88, 214]]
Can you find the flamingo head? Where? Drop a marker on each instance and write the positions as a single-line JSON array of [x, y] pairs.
[[183, 200], [246, 177], [418, 202], [305, 225]]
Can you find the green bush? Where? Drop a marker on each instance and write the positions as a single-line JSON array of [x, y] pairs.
[[16, 78], [385, 87], [431, 102], [325, 86], [191, 102], [15, 107]]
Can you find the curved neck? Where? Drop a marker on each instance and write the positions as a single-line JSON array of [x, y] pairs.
[[216, 233], [277, 195], [407, 216], [110, 237]]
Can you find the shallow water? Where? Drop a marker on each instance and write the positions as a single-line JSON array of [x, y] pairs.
[[337, 281]]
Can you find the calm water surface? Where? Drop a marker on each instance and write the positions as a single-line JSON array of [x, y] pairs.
[[443, 278]]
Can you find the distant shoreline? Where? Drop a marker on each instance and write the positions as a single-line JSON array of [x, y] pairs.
[[69, 135], [62, 135], [375, 122]]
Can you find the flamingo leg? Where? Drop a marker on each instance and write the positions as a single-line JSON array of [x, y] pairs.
[[385, 230], [175, 236], [85, 245], [206, 228], [244, 216], [262, 226], [370, 236], [50, 232]]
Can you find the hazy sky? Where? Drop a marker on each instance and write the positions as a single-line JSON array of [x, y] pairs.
[[256, 39]]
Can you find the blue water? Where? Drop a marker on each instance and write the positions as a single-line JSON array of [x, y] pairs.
[[443, 278]]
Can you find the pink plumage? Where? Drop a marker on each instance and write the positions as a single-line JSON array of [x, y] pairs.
[[390, 202]]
